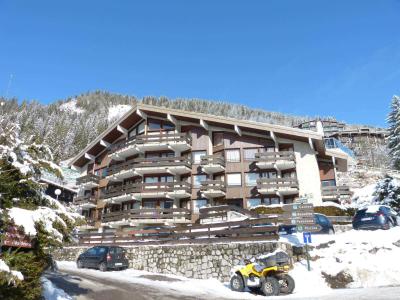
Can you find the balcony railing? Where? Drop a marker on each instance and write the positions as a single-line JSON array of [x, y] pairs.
[[147, 213], [114, 169], [212, 188], [164, 138], [285, 186], [335, 192], [281, 159], [162, 162], [85, 200], [88, 179], [216, 185], [146, 188], [212, 160]]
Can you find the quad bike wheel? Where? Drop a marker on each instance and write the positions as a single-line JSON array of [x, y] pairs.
[[270, 286], [286, 283], [237, 283]]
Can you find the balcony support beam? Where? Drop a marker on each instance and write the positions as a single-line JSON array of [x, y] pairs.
[[238, 130], [122, 130], [274, 138], [141, 113], [89, 156], [204, 124], [105, 144]]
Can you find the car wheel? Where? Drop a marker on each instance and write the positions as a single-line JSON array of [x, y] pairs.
[[103, 267], [286, 283], [79, 264], [237, 283], [270, 286]]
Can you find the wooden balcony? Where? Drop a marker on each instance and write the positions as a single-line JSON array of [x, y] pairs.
[[164, 141], [212, 188], [282, 160], [212, 164], [88, 181], [278, 186], [336, 193], [156, 165], [152, 165], [85, 202], [121, 171], [148, 215], [138, 191], [123, 149]]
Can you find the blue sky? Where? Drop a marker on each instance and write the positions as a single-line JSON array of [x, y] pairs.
[[336, 58]]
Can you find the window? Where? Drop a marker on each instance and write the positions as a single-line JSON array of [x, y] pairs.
[[197, 179], [234, 179], [140, 128], [271, 174], [152, 179], [197, 204], [289, 175], [155, 125], [328, 182], [251, 178], [232, 155], [167, 204], [270, 149], [137, 130], [271, 200], [253, 202], [196, 156], [166, 178], [250, 154], [218, 138]]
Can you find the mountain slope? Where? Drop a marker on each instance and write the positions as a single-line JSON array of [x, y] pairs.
[[67, 126]]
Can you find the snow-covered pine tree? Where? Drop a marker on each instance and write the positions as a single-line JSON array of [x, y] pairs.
[[393, 120]]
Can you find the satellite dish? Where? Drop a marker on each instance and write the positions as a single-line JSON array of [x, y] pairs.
[[57, 192]]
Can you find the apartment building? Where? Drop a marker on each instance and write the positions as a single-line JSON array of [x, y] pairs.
[[159, 166]]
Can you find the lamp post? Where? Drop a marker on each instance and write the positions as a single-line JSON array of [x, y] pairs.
[[57, 192]]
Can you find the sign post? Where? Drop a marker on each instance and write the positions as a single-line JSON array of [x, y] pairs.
[[307, 240], [301, 215]]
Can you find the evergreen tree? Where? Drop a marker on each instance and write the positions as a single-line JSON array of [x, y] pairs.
[[393, 120]]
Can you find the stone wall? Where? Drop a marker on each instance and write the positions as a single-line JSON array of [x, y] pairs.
[[194, 261]]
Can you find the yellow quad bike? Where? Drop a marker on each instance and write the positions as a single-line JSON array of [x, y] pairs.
[[268, 274]]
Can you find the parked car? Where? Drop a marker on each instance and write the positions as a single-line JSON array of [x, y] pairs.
[[320, 219], [103, 258], [375, 217]]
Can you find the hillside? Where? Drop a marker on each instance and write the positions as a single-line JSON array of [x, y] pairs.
[[68, 125]]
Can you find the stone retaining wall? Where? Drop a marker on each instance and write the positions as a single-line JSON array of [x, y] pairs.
[[194, 261]]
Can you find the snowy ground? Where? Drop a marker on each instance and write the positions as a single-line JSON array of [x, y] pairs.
[[50, 292], [370, 257]]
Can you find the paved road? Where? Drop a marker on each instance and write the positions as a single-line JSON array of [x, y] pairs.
[[88, 287], [82, 286]]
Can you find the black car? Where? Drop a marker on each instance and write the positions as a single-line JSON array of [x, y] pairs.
[[320, 219], [375, 217], [103, 258]]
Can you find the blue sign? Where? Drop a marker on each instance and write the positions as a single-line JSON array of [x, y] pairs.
[[307, 237]]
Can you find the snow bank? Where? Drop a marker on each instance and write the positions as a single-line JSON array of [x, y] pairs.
[[117, 111], [364, 196], [50, 292], [370, 257]]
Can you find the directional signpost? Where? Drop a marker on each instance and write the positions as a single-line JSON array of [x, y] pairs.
[[301, 214]]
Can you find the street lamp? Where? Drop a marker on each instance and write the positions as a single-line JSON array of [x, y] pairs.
[[57, 192]]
